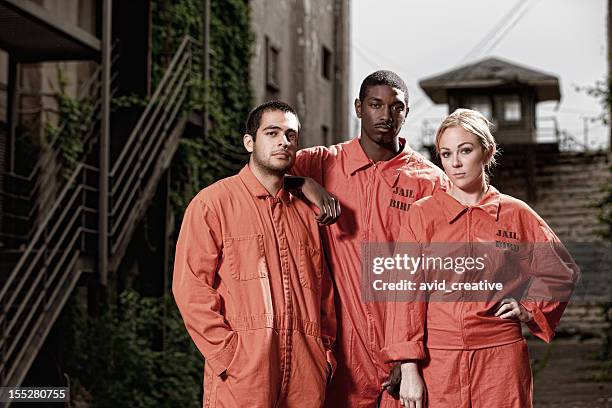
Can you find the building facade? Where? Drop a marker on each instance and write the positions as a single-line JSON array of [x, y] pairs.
[[301, 56]]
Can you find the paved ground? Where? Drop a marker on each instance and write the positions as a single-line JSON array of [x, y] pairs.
[[569, 375]]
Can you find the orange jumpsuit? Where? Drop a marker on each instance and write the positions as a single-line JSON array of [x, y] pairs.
[[375, 197], [251, 284], [475, 359]]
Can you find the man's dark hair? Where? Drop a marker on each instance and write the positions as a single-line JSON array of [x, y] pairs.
[[254, 120], [383, 77]]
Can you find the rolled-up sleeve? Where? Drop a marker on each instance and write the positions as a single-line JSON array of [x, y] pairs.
[[310, 163], [554, 276], [405, 318]]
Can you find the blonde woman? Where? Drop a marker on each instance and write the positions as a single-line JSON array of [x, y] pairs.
[[476, 353]]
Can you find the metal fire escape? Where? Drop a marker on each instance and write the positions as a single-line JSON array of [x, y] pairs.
[[97, 206]]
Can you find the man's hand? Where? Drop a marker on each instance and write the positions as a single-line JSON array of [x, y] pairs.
[[405, 383], [329, 206], [511, 309], [412, 388]]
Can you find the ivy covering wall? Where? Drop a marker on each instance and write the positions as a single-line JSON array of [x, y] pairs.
[[203, 160]]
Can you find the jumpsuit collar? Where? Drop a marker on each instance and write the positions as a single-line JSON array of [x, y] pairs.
[[390, 169], [453, 209], [257, 189]]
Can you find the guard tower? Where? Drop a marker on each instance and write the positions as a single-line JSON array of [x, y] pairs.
[[559, 176], [504, 92]]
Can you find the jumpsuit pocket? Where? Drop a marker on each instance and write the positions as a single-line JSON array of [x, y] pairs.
[[230, 367], [310, 267], [246, 257]]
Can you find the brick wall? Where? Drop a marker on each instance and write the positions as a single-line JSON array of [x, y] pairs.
[[563, 188]]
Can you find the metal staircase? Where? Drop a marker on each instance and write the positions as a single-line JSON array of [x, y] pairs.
[[25, 197], [63, 244], [147, 152]]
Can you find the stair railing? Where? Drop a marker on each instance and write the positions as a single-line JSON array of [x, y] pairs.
[[134, 174], [41, 282], [44, 170]]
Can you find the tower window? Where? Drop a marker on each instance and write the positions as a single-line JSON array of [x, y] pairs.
[[511, 108], [481, 104]]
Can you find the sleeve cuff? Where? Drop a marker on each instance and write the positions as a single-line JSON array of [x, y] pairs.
[[220, 361], [538, 326], [408, 350]]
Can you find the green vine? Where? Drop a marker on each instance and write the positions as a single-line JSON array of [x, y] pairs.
[[601, 92], [128, 101], [74, 120], [114, 360], [201, 160]]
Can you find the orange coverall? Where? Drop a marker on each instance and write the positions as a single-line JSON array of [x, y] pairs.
[[375, 197], [251, 284], [475, 359]]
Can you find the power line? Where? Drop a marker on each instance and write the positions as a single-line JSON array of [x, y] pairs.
[[490, 40], [364, 49], [505, 24], [364, 57], [375, 65], [512, 25], [509, 20], [491, 34]]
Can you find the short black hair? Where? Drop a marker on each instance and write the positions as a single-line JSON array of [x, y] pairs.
[[254, 120], [383, 77]]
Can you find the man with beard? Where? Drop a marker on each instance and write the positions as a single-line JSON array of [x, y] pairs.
[[250, 279], [376, 177]]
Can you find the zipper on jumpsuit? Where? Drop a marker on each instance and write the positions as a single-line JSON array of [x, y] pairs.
[[372, 185], [286, 330], [467, 354], [469, 250]]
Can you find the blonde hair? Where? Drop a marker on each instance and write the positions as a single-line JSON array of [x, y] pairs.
[[475, 123]]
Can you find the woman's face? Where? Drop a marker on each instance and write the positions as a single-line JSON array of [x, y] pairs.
[[462, 158]]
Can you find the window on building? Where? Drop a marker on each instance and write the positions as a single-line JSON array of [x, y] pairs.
[[481, 104], [325, 135], [511, 106], [326, 63], [272, 66]]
